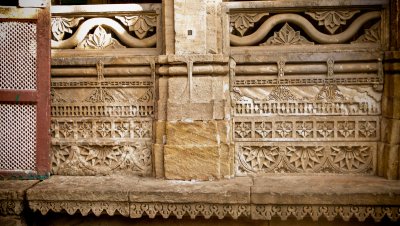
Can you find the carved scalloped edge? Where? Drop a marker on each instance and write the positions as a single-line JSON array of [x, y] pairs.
[[207, 210], [11, 207], [84, 207], [330, 212], [137, 210]]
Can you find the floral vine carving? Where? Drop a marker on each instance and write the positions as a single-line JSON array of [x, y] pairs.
[[62, 25], [140, 24], [241, 22], [332, 20], [287, 36], [303, 159], [100, 39], [281, 93]]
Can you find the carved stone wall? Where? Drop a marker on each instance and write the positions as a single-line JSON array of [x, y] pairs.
[[307, 106], [102, 125]]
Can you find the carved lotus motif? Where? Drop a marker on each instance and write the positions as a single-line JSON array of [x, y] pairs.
[[332, 20], [371, 35], [140, 24], [351, 157], [305, 158], [62, 25], [243, 21], [287, 36], [259, 158], [100, 39]]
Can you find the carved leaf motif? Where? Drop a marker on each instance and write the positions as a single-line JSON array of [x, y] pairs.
[[332, 20], [287, 36], [140, 24], [100, 39], [330, 93], [371, 35], [259, 158], [305, 157], [85, 129], [104, 129], [281, 93], [325, 129], [243, 21], [66, 129], [243, 129], [62, 25], [304, 129], [351, 157], [346, 129], [100, 95]]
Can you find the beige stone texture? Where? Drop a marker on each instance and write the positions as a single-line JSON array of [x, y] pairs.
[[192, 162], [12, 196], [390, 131], [190, 32], [158, 156], [342, 190]]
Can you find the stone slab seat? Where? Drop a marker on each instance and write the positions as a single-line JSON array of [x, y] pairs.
[[256, 198]]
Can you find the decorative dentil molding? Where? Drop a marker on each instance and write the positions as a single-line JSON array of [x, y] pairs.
[[241, 22], [140, 24], [287, 36], [332, 20], [62, 25], [100, 39]]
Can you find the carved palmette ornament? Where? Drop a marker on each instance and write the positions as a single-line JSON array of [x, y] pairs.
[[332, 20], [62, 25], [241, 22], [100, 39], [287, 36], [140, 24]]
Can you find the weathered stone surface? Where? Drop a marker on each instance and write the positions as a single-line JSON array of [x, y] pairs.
[[232, 191], [12, 195], [158, 154], [342, 190], [390, 130], [12, 221], [83, 188], [192, 162], [198, 133]]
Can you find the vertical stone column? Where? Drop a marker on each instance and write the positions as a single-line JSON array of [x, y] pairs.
[[389, 155], [197, 129]]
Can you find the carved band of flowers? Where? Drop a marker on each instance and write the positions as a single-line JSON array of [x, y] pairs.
[[71, 207], [293, 37], [315, 129], [305, 159], [330, 212], [206, 210]]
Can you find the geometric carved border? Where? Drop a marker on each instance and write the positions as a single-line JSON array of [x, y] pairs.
[[314, 128]]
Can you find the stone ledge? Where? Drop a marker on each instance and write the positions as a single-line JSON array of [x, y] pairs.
[[258, 198], [12, 195]]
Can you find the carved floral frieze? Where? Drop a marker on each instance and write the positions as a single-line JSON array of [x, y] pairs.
[[305, 158]]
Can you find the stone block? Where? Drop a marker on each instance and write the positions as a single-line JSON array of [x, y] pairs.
[[158, 156], [392, 84], [197, 133], [160, 132], [390, 130], [388, 162], [391, 107], [227, 159], [192, 162]]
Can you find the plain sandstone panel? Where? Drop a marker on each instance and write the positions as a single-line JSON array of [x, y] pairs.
[[190, 31], [188, 162]]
